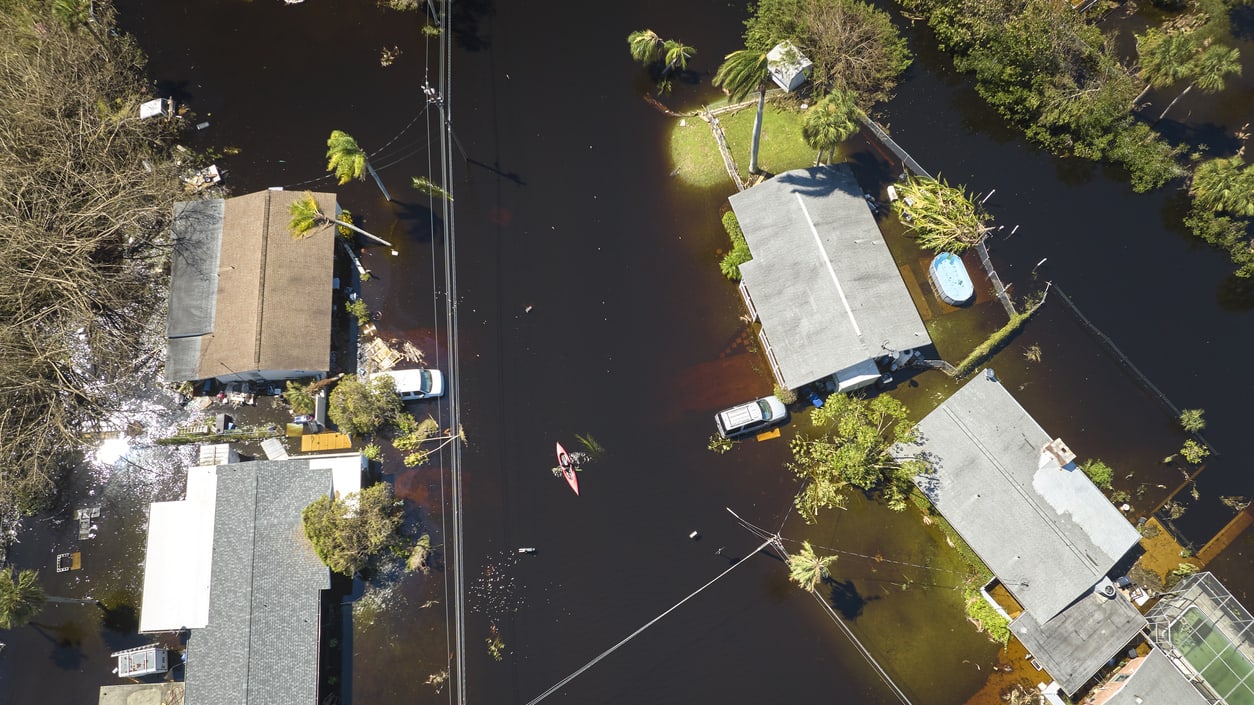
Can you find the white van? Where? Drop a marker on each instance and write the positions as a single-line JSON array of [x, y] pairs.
[[750, 417], [416, 384]]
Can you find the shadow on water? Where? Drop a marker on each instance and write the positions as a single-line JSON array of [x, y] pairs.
[[416, 221], [1235, 294], [467, 23], [496, 169], [1208, 137], [1241, 17], [845, 597]]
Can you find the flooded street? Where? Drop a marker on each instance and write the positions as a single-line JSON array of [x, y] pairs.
[[591, 305]]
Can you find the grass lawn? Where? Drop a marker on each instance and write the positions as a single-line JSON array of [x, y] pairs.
[[695, 153], [782, 147]]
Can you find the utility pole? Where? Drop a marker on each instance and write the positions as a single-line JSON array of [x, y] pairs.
[[434, 98]]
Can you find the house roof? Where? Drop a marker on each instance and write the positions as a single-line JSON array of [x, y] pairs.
[[244, 294], [824, 285], [1081, 639], [1045, 531], [1157, 682], [263, 598], [179, 557]]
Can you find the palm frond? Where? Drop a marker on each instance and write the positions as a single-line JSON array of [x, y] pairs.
[[345, 157], [423, 184], [645, 46], [305, 216], [742, 72]]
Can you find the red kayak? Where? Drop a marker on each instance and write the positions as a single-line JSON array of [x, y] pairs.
[[568, 468]]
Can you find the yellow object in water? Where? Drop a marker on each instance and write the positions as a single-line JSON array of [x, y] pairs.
[[324, 441], [768, 435]]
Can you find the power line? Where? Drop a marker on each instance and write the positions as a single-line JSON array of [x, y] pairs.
[[636, 633]]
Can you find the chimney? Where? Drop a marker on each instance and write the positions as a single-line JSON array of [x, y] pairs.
[[1058, 452]]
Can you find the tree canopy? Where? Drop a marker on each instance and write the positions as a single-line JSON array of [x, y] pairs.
[[830, 121], [1051, 73], [347, 532], [86, 198], [807, 569], [851, 452], [854, 46], [358, 407], [21, 597], [345, 158]]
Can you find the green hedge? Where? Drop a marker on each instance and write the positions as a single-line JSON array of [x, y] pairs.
[[739, 254]]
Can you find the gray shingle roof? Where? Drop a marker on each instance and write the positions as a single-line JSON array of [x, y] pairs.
[[1157, 682], [1047, 532], [1077, 642], [197, 230], [825, 287], [264, 606]]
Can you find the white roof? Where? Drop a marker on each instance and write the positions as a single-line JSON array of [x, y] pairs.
[[345, 470], [180, 545], [180, 551]]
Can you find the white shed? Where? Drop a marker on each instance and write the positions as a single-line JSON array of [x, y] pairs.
[[789, 68]]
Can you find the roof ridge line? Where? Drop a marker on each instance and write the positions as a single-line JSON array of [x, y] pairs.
[[261, 280]]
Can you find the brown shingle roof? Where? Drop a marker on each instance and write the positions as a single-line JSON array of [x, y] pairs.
[[274, 292]]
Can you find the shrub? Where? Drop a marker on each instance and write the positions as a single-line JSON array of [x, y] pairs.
[[1150, 160], [985, 618], [299, 397], [1194, 452], [357, 407], [1100, 473], [719, 444], [739, 253], [1192, 421], [357, 308], [787, 396]]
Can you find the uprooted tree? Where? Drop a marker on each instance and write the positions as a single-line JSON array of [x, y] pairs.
[[852, 452], [347, 532], [86, 195]]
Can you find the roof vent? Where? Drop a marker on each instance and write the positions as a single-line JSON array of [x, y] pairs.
[[1059, 451], [1105, 588]]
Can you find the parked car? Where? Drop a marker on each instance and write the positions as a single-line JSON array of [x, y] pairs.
[[417, 384], [750, 417]]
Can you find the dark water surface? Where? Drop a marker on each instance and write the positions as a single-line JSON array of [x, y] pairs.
[[566, 207]]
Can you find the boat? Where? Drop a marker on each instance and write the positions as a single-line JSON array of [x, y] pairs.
[[567, 466], [949, 276]]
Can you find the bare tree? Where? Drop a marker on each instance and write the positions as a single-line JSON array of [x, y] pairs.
[[86, 194]]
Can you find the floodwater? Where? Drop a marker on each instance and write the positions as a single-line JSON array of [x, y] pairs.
[[590, 303]]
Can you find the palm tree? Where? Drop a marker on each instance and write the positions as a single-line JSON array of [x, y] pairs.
[[645, 46], [349, 161], [306, 215], [648, 48], [676, 54], [1209, 69], [807, 569], [21, 597], [829, 122], [1224, 184], [78, 13], [742, 73], [1165, 58]]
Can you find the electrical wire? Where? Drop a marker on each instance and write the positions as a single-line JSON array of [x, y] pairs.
[[579, 671]]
